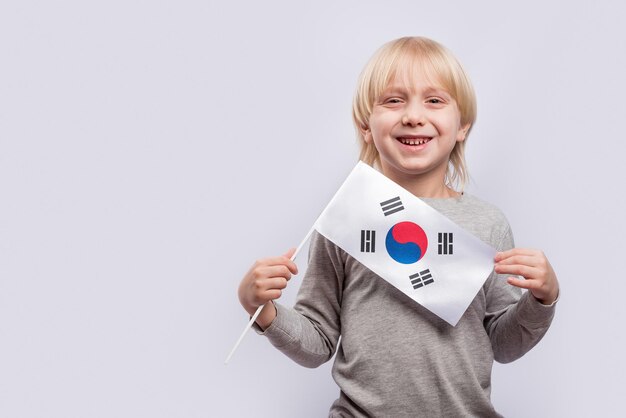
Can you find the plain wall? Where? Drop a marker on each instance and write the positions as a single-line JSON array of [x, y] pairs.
[[150, 151]]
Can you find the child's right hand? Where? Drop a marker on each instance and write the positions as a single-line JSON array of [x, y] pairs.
[[264, 282]]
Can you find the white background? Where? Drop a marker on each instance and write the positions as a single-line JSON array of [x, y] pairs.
[[150, 151]]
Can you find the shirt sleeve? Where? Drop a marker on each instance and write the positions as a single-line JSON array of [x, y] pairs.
[[309, 332], [514, 321]]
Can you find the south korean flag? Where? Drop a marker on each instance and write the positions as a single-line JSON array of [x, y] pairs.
[[406, 242]]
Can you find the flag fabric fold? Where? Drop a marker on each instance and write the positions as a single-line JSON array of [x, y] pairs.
[[406, 242]]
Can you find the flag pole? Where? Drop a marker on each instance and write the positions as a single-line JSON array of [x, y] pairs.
[[260, 308]]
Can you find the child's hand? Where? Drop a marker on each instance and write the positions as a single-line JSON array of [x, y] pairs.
[[264, 282], [533, 265]]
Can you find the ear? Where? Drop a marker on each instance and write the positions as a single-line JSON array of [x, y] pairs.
[[366, 133], [462, 134]]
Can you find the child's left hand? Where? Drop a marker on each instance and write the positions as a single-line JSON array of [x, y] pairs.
[[533, 265]]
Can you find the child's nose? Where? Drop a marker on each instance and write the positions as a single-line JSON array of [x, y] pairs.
[[413, 115]]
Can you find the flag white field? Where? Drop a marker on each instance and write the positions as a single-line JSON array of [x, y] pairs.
[[406, 242]]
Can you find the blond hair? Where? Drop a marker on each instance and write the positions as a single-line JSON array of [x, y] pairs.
[[440, 67]]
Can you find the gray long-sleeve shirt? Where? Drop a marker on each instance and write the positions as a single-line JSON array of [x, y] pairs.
[[397, 359]]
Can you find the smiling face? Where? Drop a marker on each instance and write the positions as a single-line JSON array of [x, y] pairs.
[[414, 68], [414, 126]]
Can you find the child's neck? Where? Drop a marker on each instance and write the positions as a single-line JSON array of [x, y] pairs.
[[432, 187]]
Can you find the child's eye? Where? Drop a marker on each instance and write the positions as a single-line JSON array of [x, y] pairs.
[[435, 100], [392, 100]]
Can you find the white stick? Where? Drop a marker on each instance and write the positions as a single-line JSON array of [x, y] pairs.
[[260, 308]]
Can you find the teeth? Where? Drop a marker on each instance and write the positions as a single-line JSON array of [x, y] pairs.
[[413, 141]]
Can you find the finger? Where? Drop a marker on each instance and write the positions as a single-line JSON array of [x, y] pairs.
[[286, 260], [521, 283], [266, 296], [517, 269], [265, 272], [271, 283], [264, 290], [290, 253], [277, 283], [519, 259], [273, 294], [276, 261], [291, 265], [515, 251], [272, 261]]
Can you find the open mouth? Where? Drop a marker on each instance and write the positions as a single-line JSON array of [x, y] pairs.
[[414, 141]]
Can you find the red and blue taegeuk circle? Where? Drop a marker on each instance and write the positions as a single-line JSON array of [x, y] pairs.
[[406, 242]]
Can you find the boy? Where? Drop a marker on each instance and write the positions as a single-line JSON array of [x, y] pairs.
[[413, 110]]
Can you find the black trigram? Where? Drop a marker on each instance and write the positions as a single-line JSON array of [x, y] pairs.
[[445, 243], [368, 241], [392, 206], [421, 279]]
